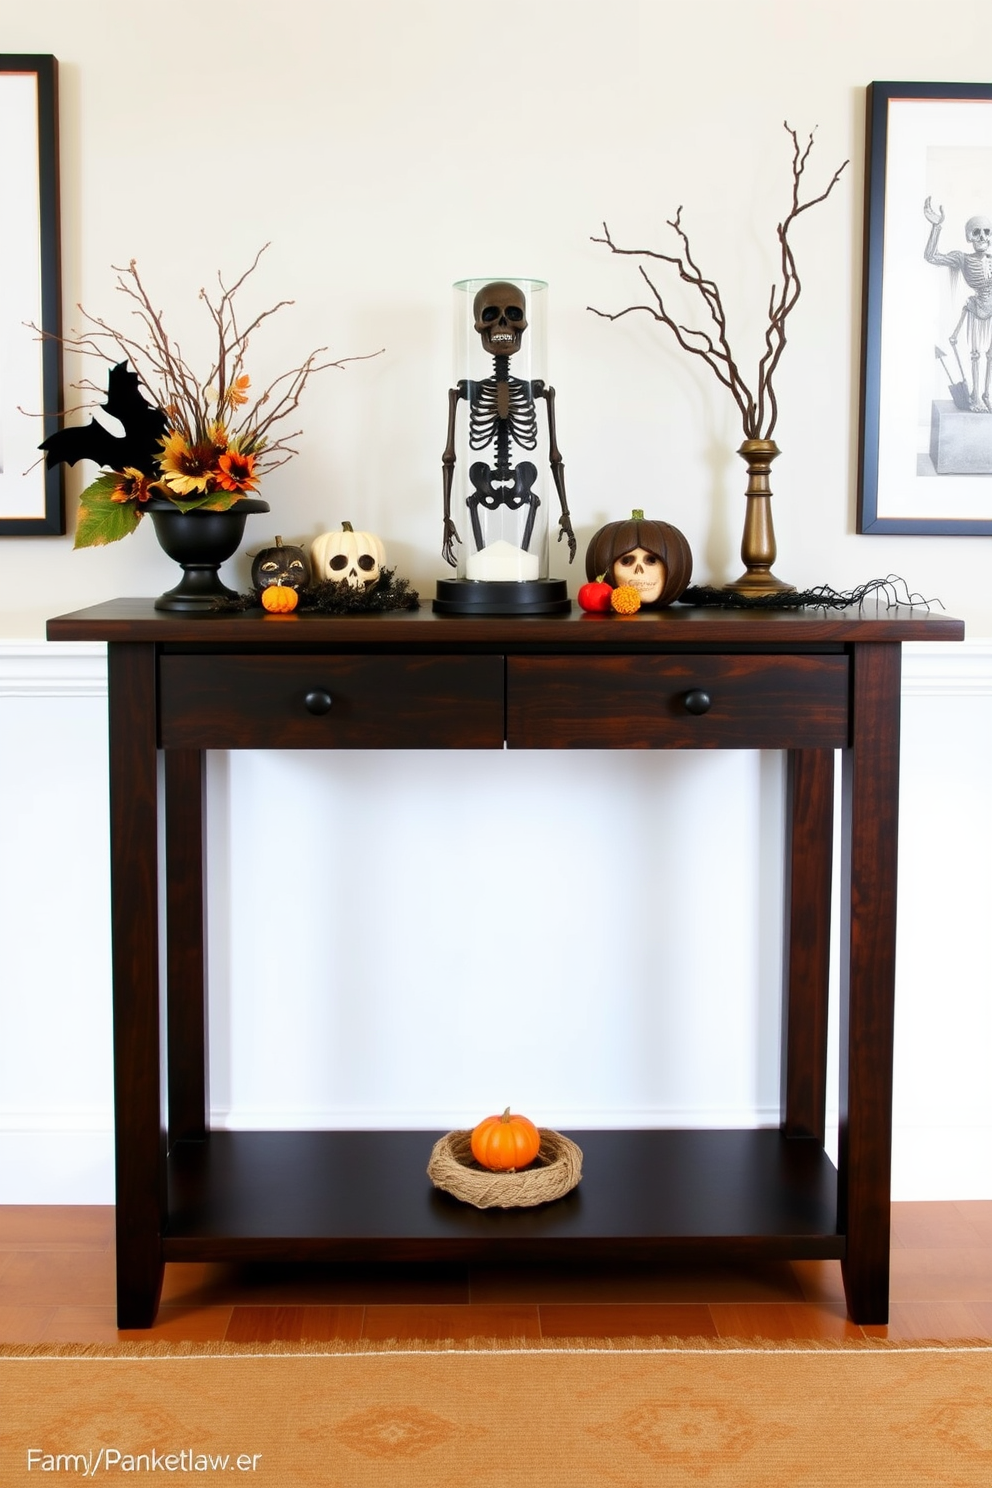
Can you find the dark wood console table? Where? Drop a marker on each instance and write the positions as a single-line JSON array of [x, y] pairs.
[[808, 683]]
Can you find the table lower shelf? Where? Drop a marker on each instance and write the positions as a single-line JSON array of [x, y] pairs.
[[365, 1196]]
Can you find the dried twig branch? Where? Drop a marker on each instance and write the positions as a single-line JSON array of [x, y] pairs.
[[199, 444], [191, 404], [759, 409]]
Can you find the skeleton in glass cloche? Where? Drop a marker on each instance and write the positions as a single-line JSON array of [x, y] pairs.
[[502, 415]]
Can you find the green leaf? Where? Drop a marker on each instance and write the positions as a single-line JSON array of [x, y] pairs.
[[224, 500], [213, 501], [102, 520]]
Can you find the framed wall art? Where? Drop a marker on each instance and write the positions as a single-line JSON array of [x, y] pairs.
[[31, 499], [926, 392]]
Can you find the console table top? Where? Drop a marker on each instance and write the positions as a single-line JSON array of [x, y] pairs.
[[131, 620]]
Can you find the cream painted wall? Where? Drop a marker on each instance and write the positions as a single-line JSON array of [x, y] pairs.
[[386, 149]]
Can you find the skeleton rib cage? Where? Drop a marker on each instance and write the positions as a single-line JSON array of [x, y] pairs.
[[496, 406]]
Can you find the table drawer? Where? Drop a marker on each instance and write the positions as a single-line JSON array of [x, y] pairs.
[[671, 702], [331, 702]]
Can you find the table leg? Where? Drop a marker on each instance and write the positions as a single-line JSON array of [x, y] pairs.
[[808, 860], [185, 944], [140, 1145], [868, 945]]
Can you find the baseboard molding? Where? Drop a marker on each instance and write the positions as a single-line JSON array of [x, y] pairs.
[[56, 1167], [933, 1161]]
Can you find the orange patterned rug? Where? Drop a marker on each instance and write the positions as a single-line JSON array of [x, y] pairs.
[[635, 1416]]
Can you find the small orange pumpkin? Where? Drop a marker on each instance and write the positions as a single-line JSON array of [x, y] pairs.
[[279, 599], [625, 600], [504, 1143]]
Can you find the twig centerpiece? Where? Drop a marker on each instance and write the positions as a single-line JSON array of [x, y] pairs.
[[758, 408], [194, 444]]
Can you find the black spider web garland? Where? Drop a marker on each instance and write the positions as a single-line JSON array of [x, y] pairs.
[[893, 589], [325, 598]]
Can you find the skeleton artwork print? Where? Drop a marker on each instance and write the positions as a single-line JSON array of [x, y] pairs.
[[502, 419], [975, 268]]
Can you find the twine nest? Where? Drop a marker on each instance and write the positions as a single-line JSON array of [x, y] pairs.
[[554, 1172]]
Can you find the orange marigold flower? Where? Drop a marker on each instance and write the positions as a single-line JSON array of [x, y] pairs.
[[132, 485], [236, 472], [237, 393]]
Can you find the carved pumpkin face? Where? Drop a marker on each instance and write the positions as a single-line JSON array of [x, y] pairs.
[[348, 557], [643, 570], [652, 556], [285, 565]]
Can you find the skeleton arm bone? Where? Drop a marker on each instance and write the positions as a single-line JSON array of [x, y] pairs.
[[953, 260], [557, 467], [936, 221], [449, 535]]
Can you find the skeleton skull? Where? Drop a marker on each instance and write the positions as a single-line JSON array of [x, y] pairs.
[[500, 318], [359, 571], [978, 231], [644, 570]]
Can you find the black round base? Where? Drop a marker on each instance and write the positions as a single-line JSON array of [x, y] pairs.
[[199, 589], [496, 597]]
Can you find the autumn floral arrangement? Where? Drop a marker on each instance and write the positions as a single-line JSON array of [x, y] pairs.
[[198, 444]]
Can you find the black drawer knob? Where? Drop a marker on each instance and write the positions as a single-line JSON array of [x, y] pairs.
[[697, 701], [318, 701]]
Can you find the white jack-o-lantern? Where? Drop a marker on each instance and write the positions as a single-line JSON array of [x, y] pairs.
[[348, 557]]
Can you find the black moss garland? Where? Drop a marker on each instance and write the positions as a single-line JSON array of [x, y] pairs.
[[893, 589], [324, 598]]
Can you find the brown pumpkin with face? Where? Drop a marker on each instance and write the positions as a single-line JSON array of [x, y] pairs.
[[285, 565], [653, 557]]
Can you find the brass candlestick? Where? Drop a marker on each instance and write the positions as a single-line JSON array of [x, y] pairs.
[[758, 549]]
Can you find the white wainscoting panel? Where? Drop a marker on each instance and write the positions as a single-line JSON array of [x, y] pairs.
[[610, 957]]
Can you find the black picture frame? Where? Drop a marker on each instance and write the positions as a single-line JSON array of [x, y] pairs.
[[32, 502], [923, 141]]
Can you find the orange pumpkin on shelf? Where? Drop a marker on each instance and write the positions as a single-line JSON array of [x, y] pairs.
[[504, 1143]]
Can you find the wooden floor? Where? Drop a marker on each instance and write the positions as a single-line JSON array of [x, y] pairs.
[[57, 1285]]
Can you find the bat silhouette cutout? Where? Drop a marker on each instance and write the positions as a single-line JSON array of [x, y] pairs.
[[144, 425]]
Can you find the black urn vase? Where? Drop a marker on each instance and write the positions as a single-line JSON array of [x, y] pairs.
[[200, 541]]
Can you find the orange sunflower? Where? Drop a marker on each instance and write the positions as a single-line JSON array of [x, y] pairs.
[[236, 472], [187, 468], [132, 485]]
